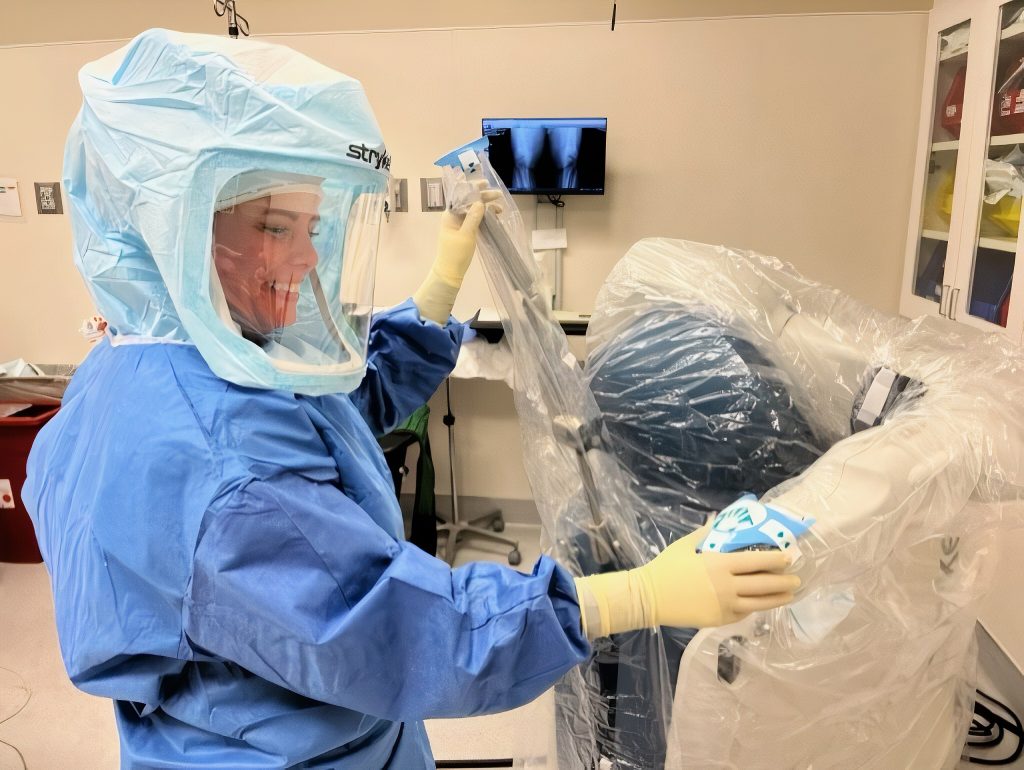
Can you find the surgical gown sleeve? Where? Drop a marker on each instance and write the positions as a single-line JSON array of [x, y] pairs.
[[294, 582], [408, 358]]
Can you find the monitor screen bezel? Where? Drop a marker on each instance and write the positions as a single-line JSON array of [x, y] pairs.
[[554, 192]]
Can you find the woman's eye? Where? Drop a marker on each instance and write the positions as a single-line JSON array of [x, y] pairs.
[[314, 232], [276, 231]]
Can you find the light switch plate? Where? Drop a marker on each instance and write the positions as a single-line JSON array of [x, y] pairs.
[[398, 195], [432, 194]]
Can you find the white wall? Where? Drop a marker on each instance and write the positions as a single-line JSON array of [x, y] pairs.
[[792, 135]]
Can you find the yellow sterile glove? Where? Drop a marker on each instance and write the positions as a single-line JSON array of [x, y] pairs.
[[681, 587], [456, 244]]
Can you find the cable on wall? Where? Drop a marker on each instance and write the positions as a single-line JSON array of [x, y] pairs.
[[222, 7]]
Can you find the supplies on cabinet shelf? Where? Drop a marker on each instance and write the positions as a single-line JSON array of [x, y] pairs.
[[1008, 110], [1013, 17], [941, 210], [953, 106], [1004, 188], [954, 42]]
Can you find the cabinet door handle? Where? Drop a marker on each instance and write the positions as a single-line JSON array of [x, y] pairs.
[[942, 301], [953, 298]]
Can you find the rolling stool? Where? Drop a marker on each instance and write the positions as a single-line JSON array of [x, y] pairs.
[[487, 526]]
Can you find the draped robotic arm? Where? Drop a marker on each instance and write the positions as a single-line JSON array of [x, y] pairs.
[[870, 667], [922, 435]]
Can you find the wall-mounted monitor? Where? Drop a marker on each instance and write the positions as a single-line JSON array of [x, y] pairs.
[[548, 156]]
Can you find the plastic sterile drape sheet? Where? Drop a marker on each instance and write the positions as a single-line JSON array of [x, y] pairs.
[[712, 372]]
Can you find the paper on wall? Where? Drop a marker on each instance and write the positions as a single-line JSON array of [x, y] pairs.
[[10, 201], [545, 240]]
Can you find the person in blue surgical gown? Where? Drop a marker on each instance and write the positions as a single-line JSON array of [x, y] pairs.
[[222, 536]]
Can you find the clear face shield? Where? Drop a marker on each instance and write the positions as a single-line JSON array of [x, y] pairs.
[[293, 261]]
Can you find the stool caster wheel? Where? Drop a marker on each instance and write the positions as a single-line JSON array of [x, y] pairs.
[[514, 557], [498, 525]]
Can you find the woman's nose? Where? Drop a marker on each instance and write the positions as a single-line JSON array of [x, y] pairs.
[[303, 253]]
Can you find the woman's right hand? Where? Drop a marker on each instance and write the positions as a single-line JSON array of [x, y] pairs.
[[681, 587]]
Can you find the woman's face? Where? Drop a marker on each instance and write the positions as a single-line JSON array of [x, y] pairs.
[[263, 250]]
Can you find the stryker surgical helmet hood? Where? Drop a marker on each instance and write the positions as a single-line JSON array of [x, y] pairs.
[[228, 193]]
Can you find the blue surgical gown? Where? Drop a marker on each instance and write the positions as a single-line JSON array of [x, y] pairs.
[[228, 565]]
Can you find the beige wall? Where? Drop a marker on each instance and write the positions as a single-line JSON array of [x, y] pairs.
[[25, 21], [791, 135]]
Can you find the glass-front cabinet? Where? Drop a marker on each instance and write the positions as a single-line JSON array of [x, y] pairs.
[[964, 239], [993, 251], [952, 56]]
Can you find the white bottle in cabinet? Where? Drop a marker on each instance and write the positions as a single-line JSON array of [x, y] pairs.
[[964, 247]]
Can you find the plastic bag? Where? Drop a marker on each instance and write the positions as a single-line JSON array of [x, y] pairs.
[[21, 381]]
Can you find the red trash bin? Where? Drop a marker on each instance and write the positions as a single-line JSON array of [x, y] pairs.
[[17, 432]]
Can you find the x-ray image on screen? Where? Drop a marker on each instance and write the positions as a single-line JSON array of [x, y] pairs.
[[553, 156]]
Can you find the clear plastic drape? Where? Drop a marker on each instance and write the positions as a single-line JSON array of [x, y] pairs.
[[713, 372]]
